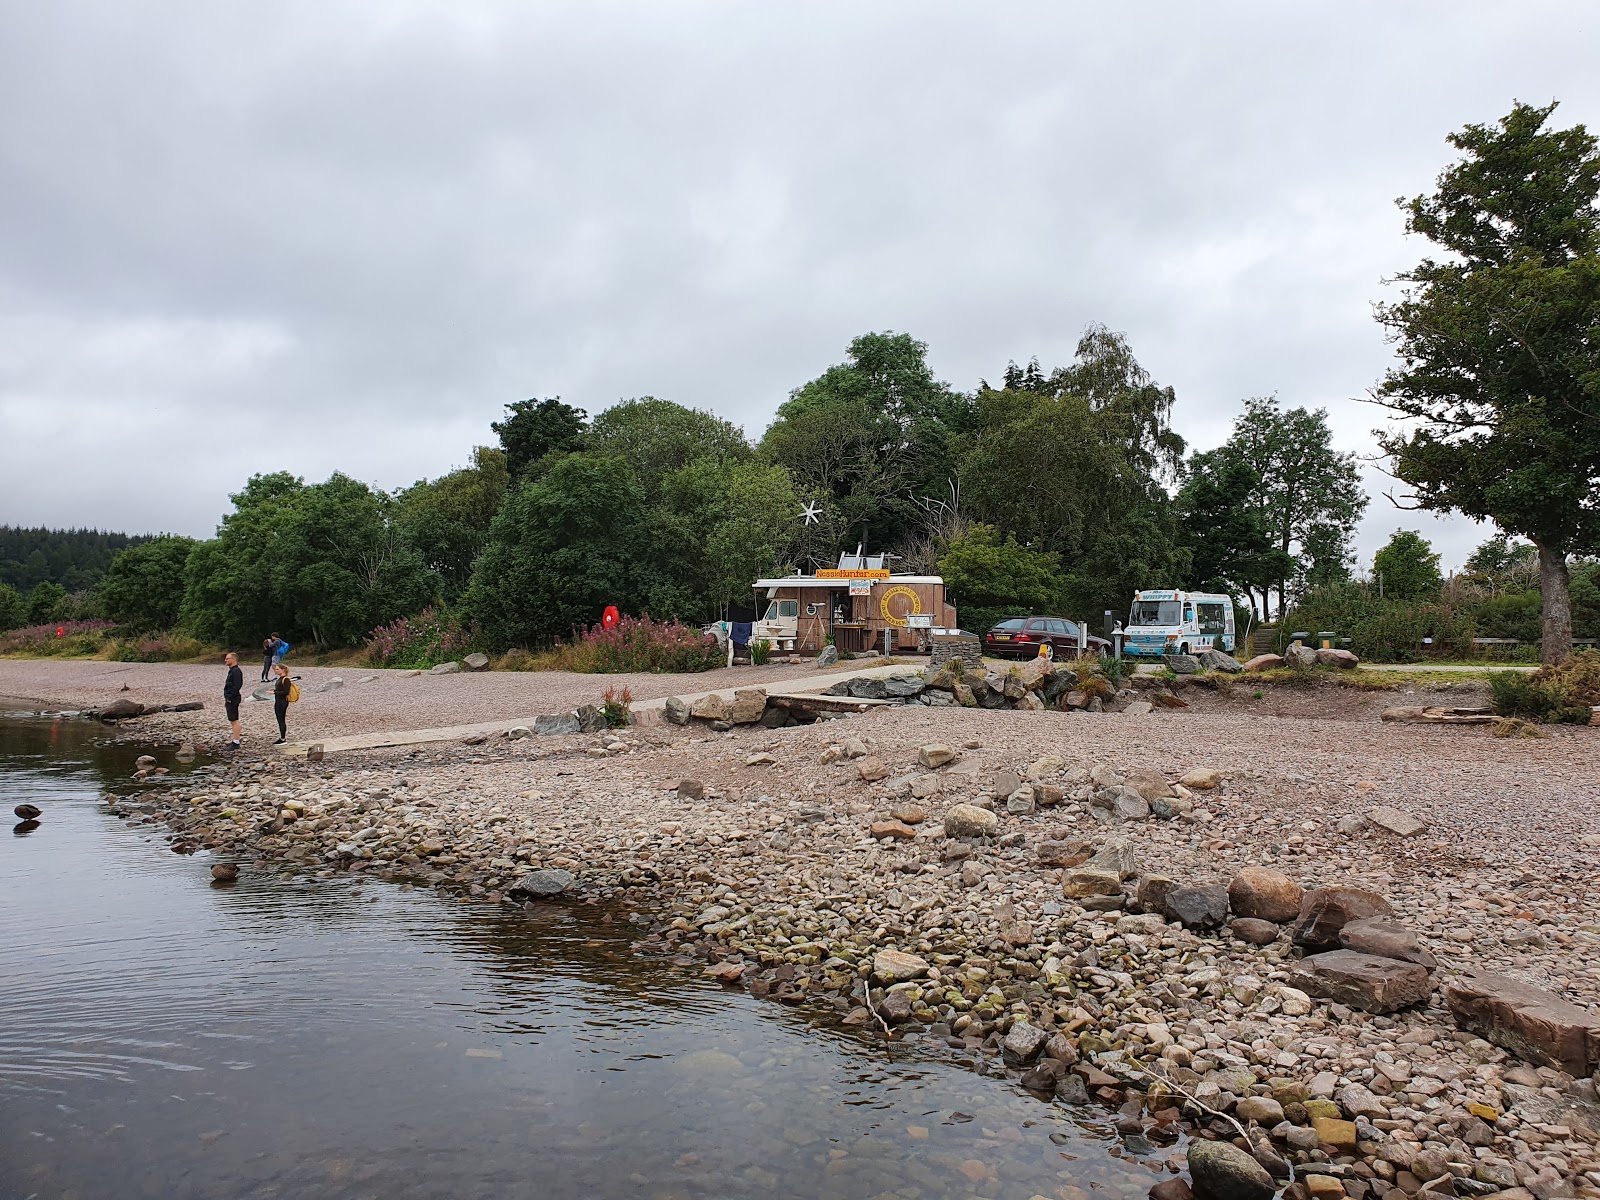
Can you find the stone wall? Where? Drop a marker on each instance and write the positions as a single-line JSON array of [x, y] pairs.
[[965, 646]]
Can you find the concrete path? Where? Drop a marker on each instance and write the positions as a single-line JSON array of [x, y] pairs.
[[809, 685]]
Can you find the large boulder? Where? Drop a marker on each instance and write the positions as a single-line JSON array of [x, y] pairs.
[[1363, 981], [936, 754], [476, 661], [1199, 907], [591, 719], [1382, 937], [556, 724], [1265, 895], [865, 687], [1326, 910], [446, 668], [1222, 1171], [677, 710], [1342, 659], [969, 821], [1264, 662], [1300, 656], [1215, 660], [1526, 1020], [748, 705], [829, 656], [119, 710], [1023, 1044], [713, 706], [903, 687], [1181, 664]]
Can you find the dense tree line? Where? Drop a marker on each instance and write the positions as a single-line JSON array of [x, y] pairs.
[[73, 559]]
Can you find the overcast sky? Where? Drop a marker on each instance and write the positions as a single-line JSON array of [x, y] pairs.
[[326, 235]]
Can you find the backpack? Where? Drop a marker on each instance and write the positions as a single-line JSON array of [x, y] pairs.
[[294, 692]]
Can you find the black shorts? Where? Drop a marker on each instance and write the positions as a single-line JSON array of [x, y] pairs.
[[233, 709]]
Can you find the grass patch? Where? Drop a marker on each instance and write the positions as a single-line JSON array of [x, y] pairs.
[[1565, 694]]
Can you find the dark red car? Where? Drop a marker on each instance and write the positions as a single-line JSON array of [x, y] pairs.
[[1021, 637]]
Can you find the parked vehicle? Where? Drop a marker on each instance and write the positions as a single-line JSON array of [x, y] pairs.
[[1164, 621], [1021, 637]]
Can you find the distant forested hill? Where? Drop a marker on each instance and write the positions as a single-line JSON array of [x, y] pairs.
[[74, 558]]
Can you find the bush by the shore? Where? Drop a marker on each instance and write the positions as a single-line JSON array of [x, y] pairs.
[[431, 637], [1564, 694], [633, 645]]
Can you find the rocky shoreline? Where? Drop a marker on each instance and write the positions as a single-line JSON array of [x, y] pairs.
[[1121, 935]]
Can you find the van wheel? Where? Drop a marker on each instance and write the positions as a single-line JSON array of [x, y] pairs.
[[1183, 649]]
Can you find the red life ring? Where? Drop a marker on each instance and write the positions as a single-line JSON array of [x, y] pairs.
[[611, 617]]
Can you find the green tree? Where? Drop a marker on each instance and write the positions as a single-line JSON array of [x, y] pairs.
[[1078, 472], [447, 519], [983, 569], [13, 608], [564, 545], [143, 588], [869, 436], [1406, 567], [1503, 564], [1498, 383], [323, 562], [1230, 543], [656, 437], [1309, 496], [534, 428], [46, 602]]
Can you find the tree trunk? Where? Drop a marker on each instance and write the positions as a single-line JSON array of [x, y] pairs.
[[1557, 643]]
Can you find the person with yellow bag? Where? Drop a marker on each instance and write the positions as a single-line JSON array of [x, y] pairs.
[[285, 692]]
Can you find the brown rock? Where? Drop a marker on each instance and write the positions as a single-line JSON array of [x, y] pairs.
[[1255, 931], [893, 829], [935, 755], [1332, 1131], [117, 710], [1264, 662], [1326, 910], [1375, 935], [748, 705], [896, 966], [691, 789], [1175, 1188], [1265, 894], [1091, 881], [1363, 981], [911, 814], [1201, 779], [1153, 891], [1396, 821], [1064, 854], [969, 821], [1526, 1020], [872, 769], [1337, 658], [711, 707]]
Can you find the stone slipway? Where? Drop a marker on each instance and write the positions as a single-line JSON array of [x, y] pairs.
[[809, 685]]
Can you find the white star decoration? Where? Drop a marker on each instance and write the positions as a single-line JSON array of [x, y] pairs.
[[811, 513]]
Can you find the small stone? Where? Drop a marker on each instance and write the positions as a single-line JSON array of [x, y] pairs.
[[1324, 1187], [224, 872], [1023, 1043], [543, 883], [1263, 1110], [936, 754], [872, 769], [1088, 881], [446, 668], [1265, 894], [1153, 891], [759, 760], [910, 814], [969, 821], [1201, 779], [691, 789], [1396, 821], [1377, 935], [896, 966], [1174, 1188], [893, 829], [1332, 1131], [1254, 931], [1064, 854], [1295, 1003]]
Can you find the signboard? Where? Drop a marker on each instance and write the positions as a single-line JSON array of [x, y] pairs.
[[837, 573], [861, 587], [919, 620]]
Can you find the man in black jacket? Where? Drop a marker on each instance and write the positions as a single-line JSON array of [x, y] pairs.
[[232, 694]]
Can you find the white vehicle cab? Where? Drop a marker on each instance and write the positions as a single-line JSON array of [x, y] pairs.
[[1165, 621]]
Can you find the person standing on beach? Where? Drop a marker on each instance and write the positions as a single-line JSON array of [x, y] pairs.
[[232, 694], [280, 651], [269, 648], [283, 691]]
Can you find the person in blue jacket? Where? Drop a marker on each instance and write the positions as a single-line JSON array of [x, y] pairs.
[[282, 650]]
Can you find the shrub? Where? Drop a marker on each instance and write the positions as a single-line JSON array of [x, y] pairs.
[[1562, 694], [760, 652], [169, 648], [1111, 668], [616, 706], [643, 644], [431, 637], [63, 638]]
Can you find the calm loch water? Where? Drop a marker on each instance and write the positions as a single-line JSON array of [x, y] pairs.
[[299, 1037]]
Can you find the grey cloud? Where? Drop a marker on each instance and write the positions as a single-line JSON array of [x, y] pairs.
[[339, 235]]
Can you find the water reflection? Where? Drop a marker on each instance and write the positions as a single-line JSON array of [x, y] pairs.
[[291, 1036]]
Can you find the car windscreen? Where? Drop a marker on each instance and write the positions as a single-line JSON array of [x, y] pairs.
[[1154, 612]]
